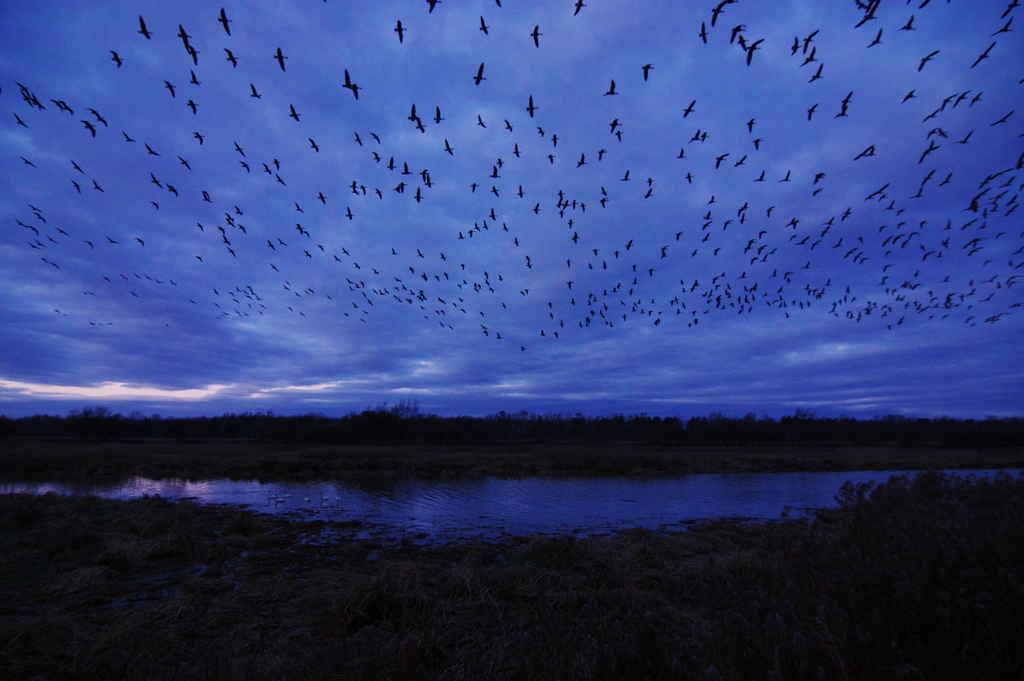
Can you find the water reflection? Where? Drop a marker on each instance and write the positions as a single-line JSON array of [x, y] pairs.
[[449, 509]]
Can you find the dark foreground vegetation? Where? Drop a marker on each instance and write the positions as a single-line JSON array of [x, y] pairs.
[[914, 579], [404, 424]]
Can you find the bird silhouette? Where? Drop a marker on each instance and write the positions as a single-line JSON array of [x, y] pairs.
[[225, 21]]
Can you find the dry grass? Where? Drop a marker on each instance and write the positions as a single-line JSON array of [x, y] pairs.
[[49, 459], [917, 579]]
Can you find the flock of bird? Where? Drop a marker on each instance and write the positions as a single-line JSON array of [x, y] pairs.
[[524, 264]]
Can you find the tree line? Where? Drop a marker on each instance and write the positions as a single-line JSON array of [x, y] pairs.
[[403, 423]]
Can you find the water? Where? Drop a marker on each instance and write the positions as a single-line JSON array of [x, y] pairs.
[[490, 507]]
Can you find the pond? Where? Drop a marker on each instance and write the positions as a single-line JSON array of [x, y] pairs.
[[452, 509]]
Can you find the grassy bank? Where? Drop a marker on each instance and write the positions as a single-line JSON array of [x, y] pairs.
[[919, 579], [51, 458]]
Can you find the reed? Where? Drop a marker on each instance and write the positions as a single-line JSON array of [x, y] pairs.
[[915, 578]]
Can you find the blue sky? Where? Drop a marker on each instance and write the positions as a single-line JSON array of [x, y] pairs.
[[827, 240]]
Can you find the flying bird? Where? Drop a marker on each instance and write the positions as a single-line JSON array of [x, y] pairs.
[[350, 85], [750, 51], [142, 29], [870, 151], [984, 55], [280, 58], [225, 21], [479, 74], [927, 59]]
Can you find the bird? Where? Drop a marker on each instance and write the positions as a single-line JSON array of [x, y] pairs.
[[142, 29], [536, 35], [530, 107], [231, 58], [611, 90], [280, 58], [350, 85], [925, 60], [1006, 28], [225, 21], [479, 74], [870, 151], [484, 26], [115, 58], [984, 55], [400, 31], [751, 49]]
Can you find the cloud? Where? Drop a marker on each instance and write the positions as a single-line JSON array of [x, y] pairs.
[[847, 285]]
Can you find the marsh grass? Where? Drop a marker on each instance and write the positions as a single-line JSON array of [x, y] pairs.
[[39, 458], [917, 578]]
